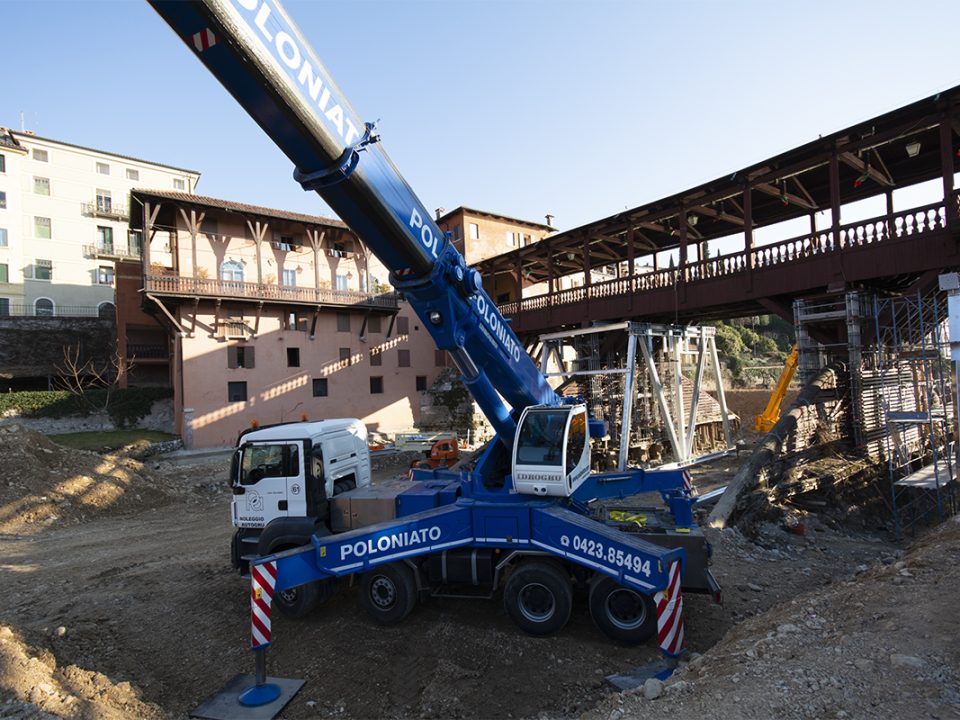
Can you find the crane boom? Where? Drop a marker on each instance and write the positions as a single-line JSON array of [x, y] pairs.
[[256, 51]]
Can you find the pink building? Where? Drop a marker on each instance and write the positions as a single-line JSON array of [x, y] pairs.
[[275, 316]]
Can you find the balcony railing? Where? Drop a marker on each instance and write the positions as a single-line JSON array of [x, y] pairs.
[[112, 252], [914, 222], [104, 312], [111, 210], [205, 287], [147, 351]]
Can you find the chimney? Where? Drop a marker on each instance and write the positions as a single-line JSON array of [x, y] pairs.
[[440, 212], [549, 220]]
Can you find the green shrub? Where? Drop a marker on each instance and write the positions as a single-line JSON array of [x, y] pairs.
[[126, 406]]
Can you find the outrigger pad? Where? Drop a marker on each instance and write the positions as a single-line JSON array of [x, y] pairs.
[[659, 669], [225, 704]]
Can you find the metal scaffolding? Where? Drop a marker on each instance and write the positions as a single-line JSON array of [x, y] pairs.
[[909, 379], [632, 375]]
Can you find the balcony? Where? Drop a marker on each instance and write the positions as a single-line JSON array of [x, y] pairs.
[[108, 209], [111, 252], [175, 286], [147, 351]]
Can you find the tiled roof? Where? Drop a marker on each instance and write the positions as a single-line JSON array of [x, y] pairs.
[[231, 206]]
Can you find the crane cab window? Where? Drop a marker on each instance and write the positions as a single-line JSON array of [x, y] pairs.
[[541, 438], [576, 440]]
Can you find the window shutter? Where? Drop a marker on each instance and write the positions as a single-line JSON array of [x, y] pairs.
[[248, 357], [231, 357]]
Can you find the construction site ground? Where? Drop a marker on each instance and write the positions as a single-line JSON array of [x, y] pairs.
[[119, 602]]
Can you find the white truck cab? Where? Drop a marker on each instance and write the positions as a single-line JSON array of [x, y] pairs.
[[290, 470], [283, 477]]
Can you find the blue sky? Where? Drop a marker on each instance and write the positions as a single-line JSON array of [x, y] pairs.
[[574, 108]]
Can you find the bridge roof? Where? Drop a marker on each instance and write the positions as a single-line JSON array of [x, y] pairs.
[[873, 160]]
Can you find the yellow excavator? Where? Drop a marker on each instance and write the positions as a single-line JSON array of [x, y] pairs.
[[768, 418]]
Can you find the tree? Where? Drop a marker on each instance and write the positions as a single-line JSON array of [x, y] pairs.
[[92, 381]]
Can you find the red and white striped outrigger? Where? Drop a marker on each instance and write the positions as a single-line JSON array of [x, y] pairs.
[[670, 615]]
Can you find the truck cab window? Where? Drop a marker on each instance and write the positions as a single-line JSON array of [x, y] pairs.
[[260, 461]]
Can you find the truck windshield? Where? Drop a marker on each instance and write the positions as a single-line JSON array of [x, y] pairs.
[[260, 461], [541, 438]]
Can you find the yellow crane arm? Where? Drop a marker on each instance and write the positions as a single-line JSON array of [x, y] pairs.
[[768, 418]]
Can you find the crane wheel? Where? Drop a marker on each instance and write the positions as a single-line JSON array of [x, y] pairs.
[[388, 592], [538, 597], [623, 615]]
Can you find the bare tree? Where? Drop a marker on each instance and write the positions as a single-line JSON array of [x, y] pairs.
[[78, 375]]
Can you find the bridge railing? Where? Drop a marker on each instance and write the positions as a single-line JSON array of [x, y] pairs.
[[913, 222]]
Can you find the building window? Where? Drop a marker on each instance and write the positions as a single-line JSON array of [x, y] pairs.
[[106, 311], [4, 306], [319, 387], [105, 275], [343, 322], [103, 168], [240, 356], [373, 324], [3, 163], [43, 307], [178, 184], [440, 358], [293, 357], [231, 270], [403, 325], [403, 358], [342, 282], [41, 228], [290, 278], [43, 270], [345, 355], [4, 273], [457, 232], [105, 239], [376, 359], [40, 155], [511, 239], [135, 242], [421, 383], [474, 231], [3, 237], [3, 200], [133, 174], [283, 242], [376, 385], [236, 392], [104, 201], [41, 185], [297, 321]]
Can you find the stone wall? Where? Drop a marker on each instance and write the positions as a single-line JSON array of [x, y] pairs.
[[33, 346], [160, 419]]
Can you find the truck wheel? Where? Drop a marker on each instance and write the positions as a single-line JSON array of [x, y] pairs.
[[388, 592], [623, 615], [297, 601], [538, 597]]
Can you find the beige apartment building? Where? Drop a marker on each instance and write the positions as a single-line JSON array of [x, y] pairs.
[[275, 316], [64, 212]]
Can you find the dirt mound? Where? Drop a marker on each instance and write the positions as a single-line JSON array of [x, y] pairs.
[[35, 687], [880, 644], [45, 484]]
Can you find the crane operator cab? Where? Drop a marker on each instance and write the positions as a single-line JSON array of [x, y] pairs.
[[551, 455]]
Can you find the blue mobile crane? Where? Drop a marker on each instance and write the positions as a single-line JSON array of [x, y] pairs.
[[529, 517]]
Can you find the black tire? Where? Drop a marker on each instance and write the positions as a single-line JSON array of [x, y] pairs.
[[298, 601], [388, 592], [623, 615], [538, 597]]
